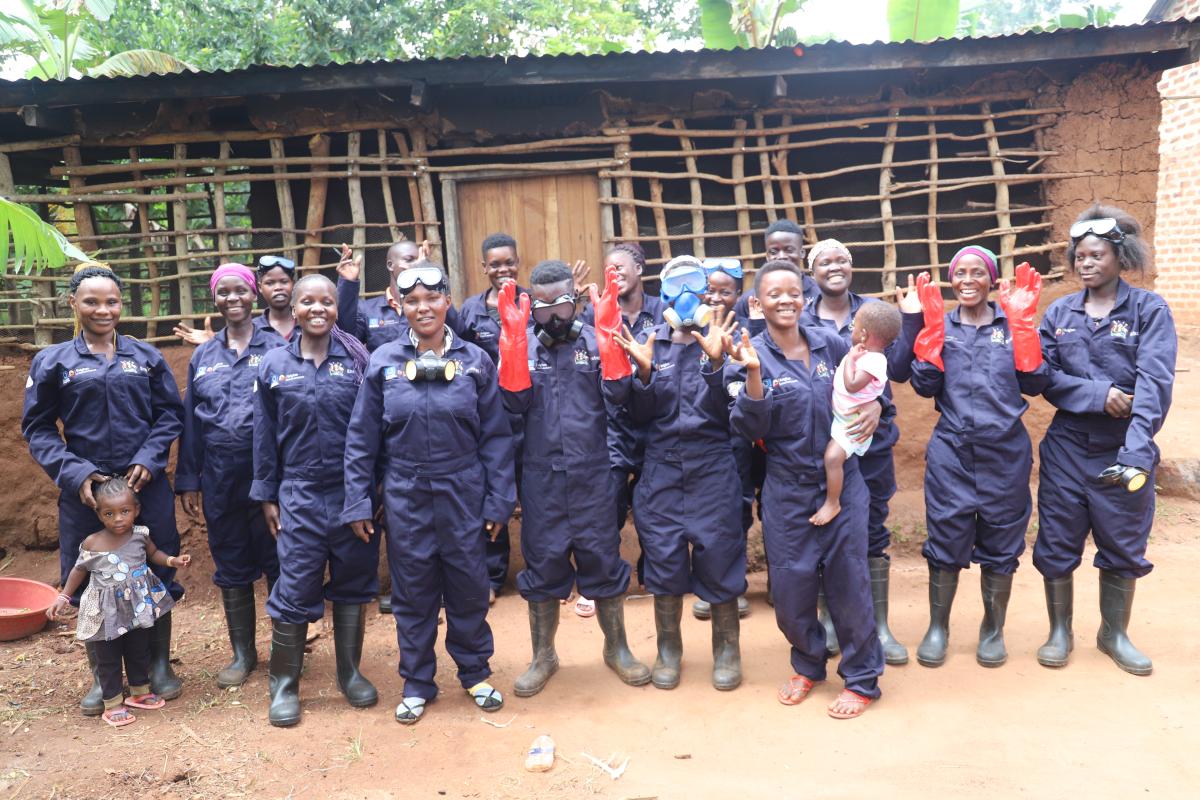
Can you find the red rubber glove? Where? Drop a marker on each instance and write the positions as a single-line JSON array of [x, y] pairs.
[[1020, 305], [928, 346], [514, 339], [614, 361]]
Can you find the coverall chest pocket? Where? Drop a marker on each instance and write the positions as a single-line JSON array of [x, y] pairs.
[[1073, 354], [791, 409], [399, 400]]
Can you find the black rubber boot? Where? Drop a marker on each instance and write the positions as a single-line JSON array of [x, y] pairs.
[[1116, 607], [610, 612], [163, 681], [287, 659], [831, 642], [239, 617], [727, 652], [543, 625], [92, 703], [996, 589], [349, 625], [668, 614], [894, 653], [1060, 602], [942, 586]]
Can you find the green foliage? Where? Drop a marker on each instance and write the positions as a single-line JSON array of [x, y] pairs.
[[32, 244], [998, 17], [727, 24], [50, 33], [921, 20], [229, 34]]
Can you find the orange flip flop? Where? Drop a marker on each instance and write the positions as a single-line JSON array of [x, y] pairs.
[[118, 717], [848, 696], [150, 701], [795, 690]]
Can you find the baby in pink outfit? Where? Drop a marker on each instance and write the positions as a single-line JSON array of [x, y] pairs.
[[859, 379]]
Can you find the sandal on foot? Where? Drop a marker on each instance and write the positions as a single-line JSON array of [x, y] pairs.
[[410, 710], [584, 607], [486, 696], [795, 690], [848, 696], [150, 701], [118, 717]]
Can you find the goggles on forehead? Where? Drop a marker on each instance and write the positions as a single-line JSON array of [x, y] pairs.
[[562, 307], [266, 263], [1105, 228], [730, 266], [684, 279], [429, 277]]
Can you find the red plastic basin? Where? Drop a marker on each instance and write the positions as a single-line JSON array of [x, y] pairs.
[[23, 605]]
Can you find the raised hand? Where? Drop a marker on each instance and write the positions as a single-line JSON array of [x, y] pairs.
[[642, 353], [908, 300], [349, 267], [1020, 306], [514, 339], [743, 353], [193, 336], [928, 346], [713, 341], [584, 288], [606, 310]]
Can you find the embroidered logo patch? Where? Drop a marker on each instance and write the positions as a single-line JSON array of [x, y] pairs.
[[735, 388], [132, 367], [390, 373], [664, 366], [1058, 332], [997, 336], [336, 370], [822, 369], [581, 358], [200, 373], [255, 360], [1119, 329]]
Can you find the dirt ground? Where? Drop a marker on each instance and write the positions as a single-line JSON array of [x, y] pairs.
[[1088, 730]]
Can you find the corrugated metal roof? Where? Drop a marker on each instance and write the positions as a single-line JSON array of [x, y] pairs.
[[484, 71]]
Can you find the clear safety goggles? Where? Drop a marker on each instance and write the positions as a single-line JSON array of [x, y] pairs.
[[429, 277], [562, 307], [1105, 228]]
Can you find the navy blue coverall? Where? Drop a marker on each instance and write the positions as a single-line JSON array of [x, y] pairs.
[[446, 454], [566, 494], [300, 423], [1133, 349], [690, 492], [114, 414], [793, 420], [977, 464], [216, 456], [481, 326], [876, 466]]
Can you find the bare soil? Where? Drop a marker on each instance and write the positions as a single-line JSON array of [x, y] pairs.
[[1088, 730]]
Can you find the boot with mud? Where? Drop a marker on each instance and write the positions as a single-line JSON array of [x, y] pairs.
[[287, 660], [543, 625], [668, 616], [349, 626], [239, 618], [996, 589], [727, 653], [1116, 607], [610, 612], [942, 586], [1060, 602], [894, 653], [92, 703]]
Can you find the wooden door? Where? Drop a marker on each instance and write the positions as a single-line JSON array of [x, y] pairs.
[[550, 216]]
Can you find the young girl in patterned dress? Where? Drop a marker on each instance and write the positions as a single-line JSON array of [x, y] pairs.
[[122, 600]]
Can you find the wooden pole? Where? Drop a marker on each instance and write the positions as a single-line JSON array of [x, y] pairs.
[[1008, 241], [180, 224], [740, 200], [660, 218], [414, 189], [931, 230], [780, 160], [629, 226], [358, 212], [764, 170], [389, 206], [454, 244], [220, 220], [685, 144], [318, 189], [148, 254], [428, 201], [283, 195], [885, 209]]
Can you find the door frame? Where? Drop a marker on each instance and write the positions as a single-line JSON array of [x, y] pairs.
[[449, 185]]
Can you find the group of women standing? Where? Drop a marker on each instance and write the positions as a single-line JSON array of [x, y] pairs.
[[310, 432]]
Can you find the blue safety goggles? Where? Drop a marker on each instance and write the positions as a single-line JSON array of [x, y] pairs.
[[730, 266], [684, 279]]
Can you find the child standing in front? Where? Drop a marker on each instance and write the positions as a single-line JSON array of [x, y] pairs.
[[860, 378], [122, 601]]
